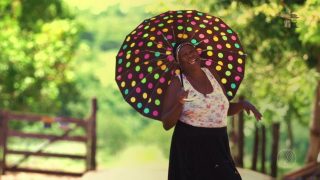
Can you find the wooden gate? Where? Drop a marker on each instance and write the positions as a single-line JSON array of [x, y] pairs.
[[89, 139]]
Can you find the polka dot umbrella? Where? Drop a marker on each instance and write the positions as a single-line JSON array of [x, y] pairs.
[[146, 64]]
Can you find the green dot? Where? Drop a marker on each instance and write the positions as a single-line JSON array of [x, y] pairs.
[[193, 41], [156, 76], [224, 38], [147, 27], [237, 45], [230, 66], [228, 73], [229, 93], [139, 105], [220, 55], [233, 85], [200, 14], [149, 44], [119, 61], [202, 26], [157, 54], [150, 69], [146, 110], [229, 31], [173, 44], [144, 80], [138, 68], [124, 46], [160, 25], [157, 102], [166, 17], [128, 64], [180, 27], [189, 29], [129, 52], [126, 91], [209, 48], [145, 35]]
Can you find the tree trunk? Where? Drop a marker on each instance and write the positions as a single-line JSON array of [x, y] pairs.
[[255, 149], [314, 143], [275, 148], [263, 149]]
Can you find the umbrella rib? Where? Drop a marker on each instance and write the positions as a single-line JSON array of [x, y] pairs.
[[233, 52], [173, 34], [166, 39], [141, 82], [153, 52]]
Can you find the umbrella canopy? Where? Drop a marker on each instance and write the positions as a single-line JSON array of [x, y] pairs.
[[146, 64]]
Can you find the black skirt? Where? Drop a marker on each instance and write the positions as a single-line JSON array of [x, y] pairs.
[[198, 153]]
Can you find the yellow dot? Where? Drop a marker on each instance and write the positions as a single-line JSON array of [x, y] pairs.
[[133, 99], [185, 36], [152, 38], [169, 82], [216, 20], [152, 29], [153, 18], [159, 91], [224, 80], [220, 62], [177, 71], [209, 31], [133, 83], [144, 95], [123, 84], [165, 30], [239, 60], [168, 52], [159, 45], [149, 101], [218, 68], [128, 56], [132, 44], [159, 63], [146, 62], [209, 53], [215, 38], [170, 21], [137, 59], [128, 38], [196, 18], [163, 67], [133, 32], [179, 16], [240, 52], [223, 34], [179, 35], [209, 17], [228, 45]]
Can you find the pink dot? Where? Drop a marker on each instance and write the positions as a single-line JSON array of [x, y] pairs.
[[206, 41], [169, 37], [129, 76], [222, 25], [139, 33], [157, 21], [230, 58], [140, 44], [141, 76], [193, 23], [170, 58], [140, 26], [150, 85], [189, 15], [201, 36], [119, 77], [159, 33], [219, 46], [146, 56], [233, 37], [120, 54], [135, 37], [138, 89], [162, 15], [162, 80], [119, 69], [180, 21], [155, 113], [239, 69], [136, 51], [237, 78], [208, 63]]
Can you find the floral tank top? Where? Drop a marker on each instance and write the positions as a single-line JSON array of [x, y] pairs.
[[205, 111]]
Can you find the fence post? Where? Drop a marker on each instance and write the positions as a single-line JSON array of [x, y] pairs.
[[263, 149], [3, 141], [92, 137], [255, 148]]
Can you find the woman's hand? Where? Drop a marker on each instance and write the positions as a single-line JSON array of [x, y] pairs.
[[247, 106], [182, 95]]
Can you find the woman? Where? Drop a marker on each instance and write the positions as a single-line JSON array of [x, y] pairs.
[[199, 147]]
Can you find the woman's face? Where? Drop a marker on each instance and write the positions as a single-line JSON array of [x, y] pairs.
[[189, 58]]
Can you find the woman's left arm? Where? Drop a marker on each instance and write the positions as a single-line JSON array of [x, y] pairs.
[[235, 108]]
